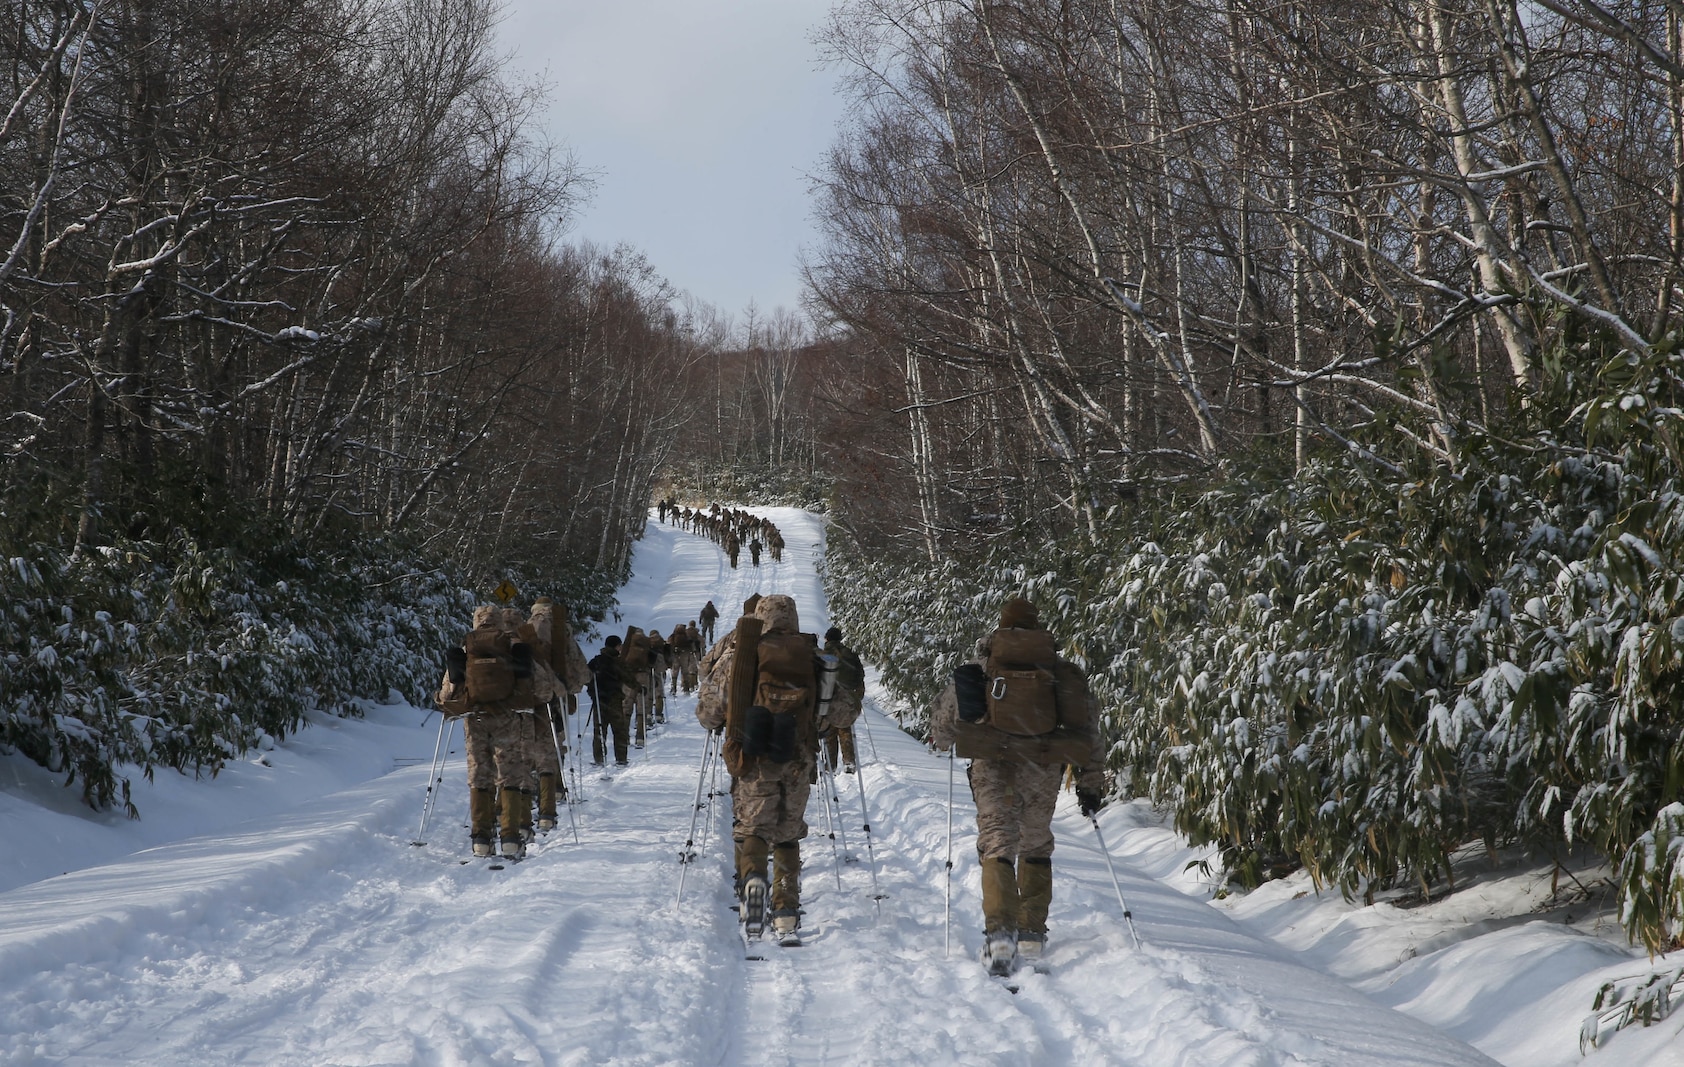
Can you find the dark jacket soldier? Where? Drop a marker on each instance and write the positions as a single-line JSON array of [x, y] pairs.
[[608, 712]]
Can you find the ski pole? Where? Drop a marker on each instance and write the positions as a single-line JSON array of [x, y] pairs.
[[688, 853], [947, 900], [1128, 916], [830, 824], [435, 778], [713, 795], [560, 758], [578, 754], [872, 741], [836, 802], [870, 851], [578, 749]]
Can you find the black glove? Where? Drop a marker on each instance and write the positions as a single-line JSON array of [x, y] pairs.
[[1090, 802]]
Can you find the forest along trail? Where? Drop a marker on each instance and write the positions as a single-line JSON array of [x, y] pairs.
[[321, 936]]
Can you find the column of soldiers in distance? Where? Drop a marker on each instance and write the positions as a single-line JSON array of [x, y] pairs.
[[514, 743], [731, 528]]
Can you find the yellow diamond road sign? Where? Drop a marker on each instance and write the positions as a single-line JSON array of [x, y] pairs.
[[506, 592]]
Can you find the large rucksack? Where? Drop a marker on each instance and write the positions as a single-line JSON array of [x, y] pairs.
[[498, 674], [1024, 702], [841, 688], [785, 698], [773, 697], [634, 653], [1022, 692]]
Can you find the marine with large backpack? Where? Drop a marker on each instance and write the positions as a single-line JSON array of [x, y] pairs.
[[489, 682], [636, 658], [1020, 713], [760, 687], [839, 713]]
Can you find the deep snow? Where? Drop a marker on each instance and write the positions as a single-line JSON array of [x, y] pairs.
[[279, 915]]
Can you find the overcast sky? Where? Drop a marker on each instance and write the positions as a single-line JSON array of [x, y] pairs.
[[700, 119]]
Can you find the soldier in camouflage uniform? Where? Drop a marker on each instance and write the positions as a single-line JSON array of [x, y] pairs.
[[768, 800], [499, 767], [635, 659], [843, 710], [1014, 809], [692, 657], [558, 655], [660, 658]]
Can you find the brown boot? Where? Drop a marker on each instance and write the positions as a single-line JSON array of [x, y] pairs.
[[751, 859], [1034, 897], [999, 895], [751, 884], [786, 879], [546, 801], [482, 820], [515, 807]]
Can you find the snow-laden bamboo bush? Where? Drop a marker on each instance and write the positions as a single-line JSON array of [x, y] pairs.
[[1357, 670], [146, 655]]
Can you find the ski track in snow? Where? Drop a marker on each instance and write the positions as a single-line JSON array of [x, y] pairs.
[[319, 936]]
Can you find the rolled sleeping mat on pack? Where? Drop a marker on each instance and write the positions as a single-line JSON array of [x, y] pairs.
[[831, 663], [456, 665], [745, 670], [739, 695], [520, 653]]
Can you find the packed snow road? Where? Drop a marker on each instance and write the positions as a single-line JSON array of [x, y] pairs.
[[321, 936]]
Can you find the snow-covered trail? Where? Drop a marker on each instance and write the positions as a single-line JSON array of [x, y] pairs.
[[320, 936]]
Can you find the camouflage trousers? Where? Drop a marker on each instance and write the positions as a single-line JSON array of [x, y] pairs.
[[839, 746], [770, 802], [636, 702], [1014, 808], [499, 752]]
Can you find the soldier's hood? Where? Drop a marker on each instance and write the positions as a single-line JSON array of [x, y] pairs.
[[777, 614], [543, 619], [512, 618], [486, 615]]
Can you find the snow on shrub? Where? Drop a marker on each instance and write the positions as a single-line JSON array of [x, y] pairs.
[[174, 655], [1358, 672]]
